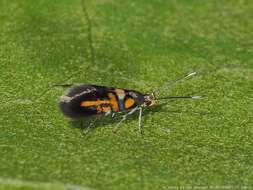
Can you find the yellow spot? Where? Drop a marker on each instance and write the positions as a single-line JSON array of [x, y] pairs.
[[129, 102]]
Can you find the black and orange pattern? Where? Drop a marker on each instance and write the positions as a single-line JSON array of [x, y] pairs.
[[88, 100]]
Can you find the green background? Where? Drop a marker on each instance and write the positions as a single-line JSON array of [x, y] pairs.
[[136, 45]]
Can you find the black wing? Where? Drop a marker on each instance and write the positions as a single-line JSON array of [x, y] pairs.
[[70, 104]]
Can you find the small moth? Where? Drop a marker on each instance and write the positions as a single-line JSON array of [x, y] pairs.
[[88, 100]]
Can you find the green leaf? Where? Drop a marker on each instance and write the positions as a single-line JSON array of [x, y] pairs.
[[136, 45]]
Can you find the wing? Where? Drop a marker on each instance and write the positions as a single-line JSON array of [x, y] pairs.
[[82, 101], [88, 100]]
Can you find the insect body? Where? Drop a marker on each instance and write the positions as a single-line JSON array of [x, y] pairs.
[[87, 100], [91, 100]]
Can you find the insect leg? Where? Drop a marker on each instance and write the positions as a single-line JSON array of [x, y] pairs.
[[124, 118], [116, 128], [91, 125], [109, 113]]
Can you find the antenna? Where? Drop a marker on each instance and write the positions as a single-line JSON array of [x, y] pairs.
[[180, 97], [170, 83]]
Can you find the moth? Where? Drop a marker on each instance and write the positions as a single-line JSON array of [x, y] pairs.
[[86, 100]]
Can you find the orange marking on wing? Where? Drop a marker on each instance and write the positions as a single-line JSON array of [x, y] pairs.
[[103, 109], [99, 109], [129, 102], [94, 103], [113, 102], [106, 109]]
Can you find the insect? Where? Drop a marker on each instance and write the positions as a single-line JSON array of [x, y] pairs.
[[88, 100]]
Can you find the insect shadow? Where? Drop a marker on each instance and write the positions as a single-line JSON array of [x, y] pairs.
[[102, 121]]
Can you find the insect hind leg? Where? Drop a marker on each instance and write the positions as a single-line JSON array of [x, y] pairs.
[[91, 126]]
